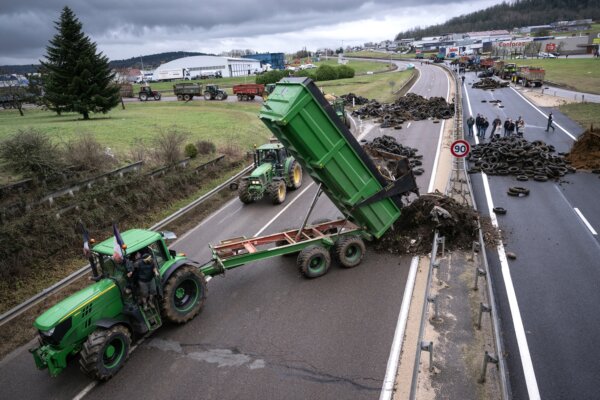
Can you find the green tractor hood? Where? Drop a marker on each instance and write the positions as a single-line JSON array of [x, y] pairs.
[[72, 305], [262, 170]]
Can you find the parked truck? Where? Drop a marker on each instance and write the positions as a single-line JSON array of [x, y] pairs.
[[101, 321], [247, 91], [530, 76], [187, 91]]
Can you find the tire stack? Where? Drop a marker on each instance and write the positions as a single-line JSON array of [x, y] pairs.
[[490, 83], [390, 144], [520, 158]]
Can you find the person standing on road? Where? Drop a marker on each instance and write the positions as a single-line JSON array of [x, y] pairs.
[[520, 126], [506, 126], [470, 123], [495, 124], [478, 123], [550, 119], [462, 78], [485, 125], [511, 127]]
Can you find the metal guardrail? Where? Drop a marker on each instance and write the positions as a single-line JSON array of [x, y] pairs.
[[459, 167], [21, 308]]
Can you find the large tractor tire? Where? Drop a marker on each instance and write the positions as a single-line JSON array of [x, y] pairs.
[[104, 352], [157, 96], [184, 295], [277, 191], [349, 251], [143, 97], [221, 96], [243, 193], [313, 261], [294, 176], [207, 96]]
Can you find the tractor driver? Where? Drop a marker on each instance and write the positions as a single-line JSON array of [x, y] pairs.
[[146, 271], [270, 156]]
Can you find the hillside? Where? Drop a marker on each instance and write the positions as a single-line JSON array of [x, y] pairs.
[[150, 61], [510, 15]]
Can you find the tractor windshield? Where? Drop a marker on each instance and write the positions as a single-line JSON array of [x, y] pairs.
[[267, 156]]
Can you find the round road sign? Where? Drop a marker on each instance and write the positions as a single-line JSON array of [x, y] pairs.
[[460, 148]]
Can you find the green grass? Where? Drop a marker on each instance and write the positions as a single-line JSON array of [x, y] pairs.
[[370, 86], [585, 114], [360, 67], [378, 54], [220, 122], [580, 74]]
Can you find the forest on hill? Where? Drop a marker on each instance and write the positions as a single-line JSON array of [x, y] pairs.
[[509, 15]]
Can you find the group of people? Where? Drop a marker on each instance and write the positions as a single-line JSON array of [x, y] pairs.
[[141, 270], [481, 125]]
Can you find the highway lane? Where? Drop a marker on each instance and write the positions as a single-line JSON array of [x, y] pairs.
[[555, 276], [265, 331]]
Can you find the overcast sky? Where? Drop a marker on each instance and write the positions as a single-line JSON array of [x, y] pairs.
[[130, 28]]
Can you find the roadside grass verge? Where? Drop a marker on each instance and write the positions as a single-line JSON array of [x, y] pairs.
[[580, 74], [379, 54], [585, 114], [360, 67]]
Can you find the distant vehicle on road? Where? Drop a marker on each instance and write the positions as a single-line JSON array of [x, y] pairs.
[[546, 55], [486, 74]]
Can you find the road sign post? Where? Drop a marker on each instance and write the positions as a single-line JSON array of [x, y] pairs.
[[460, 148]]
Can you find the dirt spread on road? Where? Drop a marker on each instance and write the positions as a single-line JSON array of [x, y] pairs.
[[585, 152], [414, 230]]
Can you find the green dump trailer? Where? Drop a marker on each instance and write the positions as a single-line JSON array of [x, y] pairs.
[[101, 321]]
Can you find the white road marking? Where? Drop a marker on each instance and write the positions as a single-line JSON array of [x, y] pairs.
[[230, 215], [527, 364], [545, 115], [85, 391], [585, 221], [205, 220], [392, 365], [408, 126], [283, 210], [439, 146]]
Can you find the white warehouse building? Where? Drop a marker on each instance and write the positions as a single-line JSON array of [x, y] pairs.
[[196, 66]]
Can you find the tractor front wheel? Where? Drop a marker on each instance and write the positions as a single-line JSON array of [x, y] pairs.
[[244, 194], [104, 352], [157, 96], [294, 175], [313, 261], [184, 295], [277, 191]]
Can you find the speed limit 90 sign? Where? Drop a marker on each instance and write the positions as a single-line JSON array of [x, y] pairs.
[[460, 148]]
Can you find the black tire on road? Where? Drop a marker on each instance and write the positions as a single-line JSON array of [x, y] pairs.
[[349, 251], [313, 261], [184, 294], [187, 97], [157, 96], [104, 352], [277, 191], [207, 96], [243, 193], [294, 175]]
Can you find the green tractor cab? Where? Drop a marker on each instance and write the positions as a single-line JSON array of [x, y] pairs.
[[101, 321], [212, 92], [275, 172]]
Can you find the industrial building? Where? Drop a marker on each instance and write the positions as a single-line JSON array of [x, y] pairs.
[[198, 66], [275, 60]]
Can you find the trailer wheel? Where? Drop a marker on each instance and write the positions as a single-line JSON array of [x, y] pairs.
[[184, 295], [349, 251], [243, 193], [104, 352], [277, 191], [294, 175], [239, 96], [187, 97], [313, 261], [179, 97]]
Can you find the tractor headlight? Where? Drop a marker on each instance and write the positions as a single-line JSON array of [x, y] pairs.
[[48, 333], [255, 182]]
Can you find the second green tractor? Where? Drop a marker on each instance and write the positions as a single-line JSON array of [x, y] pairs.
[[275, 172]]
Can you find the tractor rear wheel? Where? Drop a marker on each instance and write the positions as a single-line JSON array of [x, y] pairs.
[[277, 191], [349, 251], [294, 175], [313, 261], [207, 96], [243, 193], [104, 352], [143, 97], [184, 295]]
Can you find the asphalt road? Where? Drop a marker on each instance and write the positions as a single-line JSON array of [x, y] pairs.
[[265, 332], [549, 294]]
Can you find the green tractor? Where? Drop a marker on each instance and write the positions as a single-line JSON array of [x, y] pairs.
[[275, 172], [212, 92], [101, 321], [338, 106]]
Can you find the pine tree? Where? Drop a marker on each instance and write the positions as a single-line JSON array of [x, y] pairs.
[[77, 78]]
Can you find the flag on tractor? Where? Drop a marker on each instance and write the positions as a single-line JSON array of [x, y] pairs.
[[119, 245]]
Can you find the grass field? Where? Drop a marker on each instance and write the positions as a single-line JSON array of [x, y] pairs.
[[580, 74], [381, 55], [360, 67], [585, 114]]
